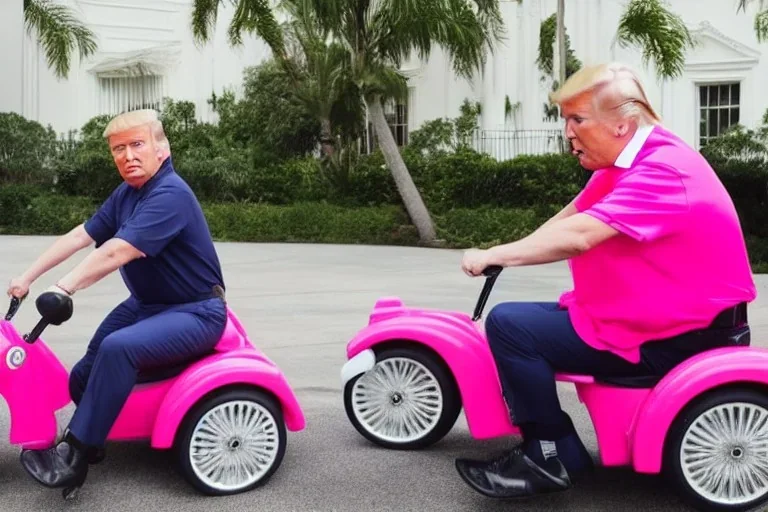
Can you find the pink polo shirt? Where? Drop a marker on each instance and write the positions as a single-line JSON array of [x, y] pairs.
[[681, 258]]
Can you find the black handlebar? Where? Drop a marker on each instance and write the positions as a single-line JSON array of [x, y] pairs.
[[14, 307], [54, 308], [490, 273]]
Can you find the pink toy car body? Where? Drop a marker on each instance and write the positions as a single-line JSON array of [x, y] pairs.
[[225, 414], [704, 424]]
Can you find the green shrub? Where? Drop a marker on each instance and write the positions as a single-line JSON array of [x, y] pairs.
[[486, 226], [747, 183], [467, 179], [31, 210], [28, 151], [310, 222]]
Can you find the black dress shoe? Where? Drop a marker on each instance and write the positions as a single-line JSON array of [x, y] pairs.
[[64, 465], [514, 475], [95, 455]]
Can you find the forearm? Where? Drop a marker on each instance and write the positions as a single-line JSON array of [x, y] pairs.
[[546, 245], [562, 239], [64, 247], [103, 261]]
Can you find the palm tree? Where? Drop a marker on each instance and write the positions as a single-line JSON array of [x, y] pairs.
[[59, 34], [660, 34], [378, 35], [317, 70], [761, 19], [322, 76]]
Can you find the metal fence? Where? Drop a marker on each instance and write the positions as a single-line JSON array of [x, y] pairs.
[[507, 144]]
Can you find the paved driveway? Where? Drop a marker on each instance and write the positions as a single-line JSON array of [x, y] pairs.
[[301, 303]]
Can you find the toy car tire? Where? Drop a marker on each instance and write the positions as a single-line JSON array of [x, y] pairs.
[[264, 430], [730, 440], [439, 405]]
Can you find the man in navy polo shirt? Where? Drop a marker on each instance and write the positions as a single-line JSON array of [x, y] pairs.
[[153, 230]]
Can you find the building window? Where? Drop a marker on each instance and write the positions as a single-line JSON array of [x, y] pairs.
[[122, 94], [718, 109], [397, 119]]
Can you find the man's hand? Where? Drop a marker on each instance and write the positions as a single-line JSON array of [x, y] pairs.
[[18, 287], [475, 261]]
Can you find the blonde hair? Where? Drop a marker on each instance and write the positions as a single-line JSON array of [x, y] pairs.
[[136, 118], [615, 87]]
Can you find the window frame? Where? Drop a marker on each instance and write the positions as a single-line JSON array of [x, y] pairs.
[[699, 84]]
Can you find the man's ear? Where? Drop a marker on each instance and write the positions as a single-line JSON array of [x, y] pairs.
[[622, 128]]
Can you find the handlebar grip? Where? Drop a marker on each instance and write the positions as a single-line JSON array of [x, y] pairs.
[[14, 307], [492, 272]]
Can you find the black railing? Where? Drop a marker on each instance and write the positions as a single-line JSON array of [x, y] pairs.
[[507, 144]]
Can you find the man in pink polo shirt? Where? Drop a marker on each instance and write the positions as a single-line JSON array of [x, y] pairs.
[[656, 253]]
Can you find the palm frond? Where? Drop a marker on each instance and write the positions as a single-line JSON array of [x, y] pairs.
[[205, 13], [660, 34], [761, 19], [256, 17], [59, 34], [761, 25], [250, 16], [464, 30], [385, 81]]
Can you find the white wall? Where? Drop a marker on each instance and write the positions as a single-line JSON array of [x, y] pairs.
[[124, 27], [727, 50], [11, 36]]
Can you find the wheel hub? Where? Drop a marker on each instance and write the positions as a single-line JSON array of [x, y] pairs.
[[234, 443], [396, 398], [737, 452]]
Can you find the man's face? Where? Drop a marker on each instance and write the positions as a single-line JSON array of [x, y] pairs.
[[136, 154], [596, 140]]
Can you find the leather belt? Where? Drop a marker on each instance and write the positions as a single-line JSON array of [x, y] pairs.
[[735, 316]]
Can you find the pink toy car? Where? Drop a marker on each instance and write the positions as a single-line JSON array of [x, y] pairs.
[[704, 424], [225, 415]]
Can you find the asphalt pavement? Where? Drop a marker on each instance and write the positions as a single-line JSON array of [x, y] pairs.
[[301, 304]]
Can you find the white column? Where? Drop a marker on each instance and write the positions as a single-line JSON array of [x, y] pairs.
[[11, 36]]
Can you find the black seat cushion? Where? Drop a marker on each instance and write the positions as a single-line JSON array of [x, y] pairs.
[[166, 372], [659, 357]]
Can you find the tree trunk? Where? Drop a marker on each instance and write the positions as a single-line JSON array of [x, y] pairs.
[[326, 138], [561, 41], [412, 200]]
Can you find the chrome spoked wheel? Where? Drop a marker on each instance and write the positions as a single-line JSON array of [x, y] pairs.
[[234, 443], [399, 401], [724, 453]]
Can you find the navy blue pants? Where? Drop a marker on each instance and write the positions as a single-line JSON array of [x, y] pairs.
[[530, 342], [131, 338]]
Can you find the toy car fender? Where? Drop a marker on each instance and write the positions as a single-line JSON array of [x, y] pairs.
[[685, 383], [455, 339], [232, 368]]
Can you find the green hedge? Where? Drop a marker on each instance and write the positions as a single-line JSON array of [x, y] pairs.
[[30, 210]]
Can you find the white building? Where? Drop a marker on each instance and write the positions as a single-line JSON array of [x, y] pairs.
[[146, 52]]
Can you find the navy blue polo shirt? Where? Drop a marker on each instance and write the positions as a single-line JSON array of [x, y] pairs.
[[164, 220]]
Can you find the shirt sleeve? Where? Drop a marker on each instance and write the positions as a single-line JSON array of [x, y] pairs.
[[157, 220], [648, 203], [103, 224]]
